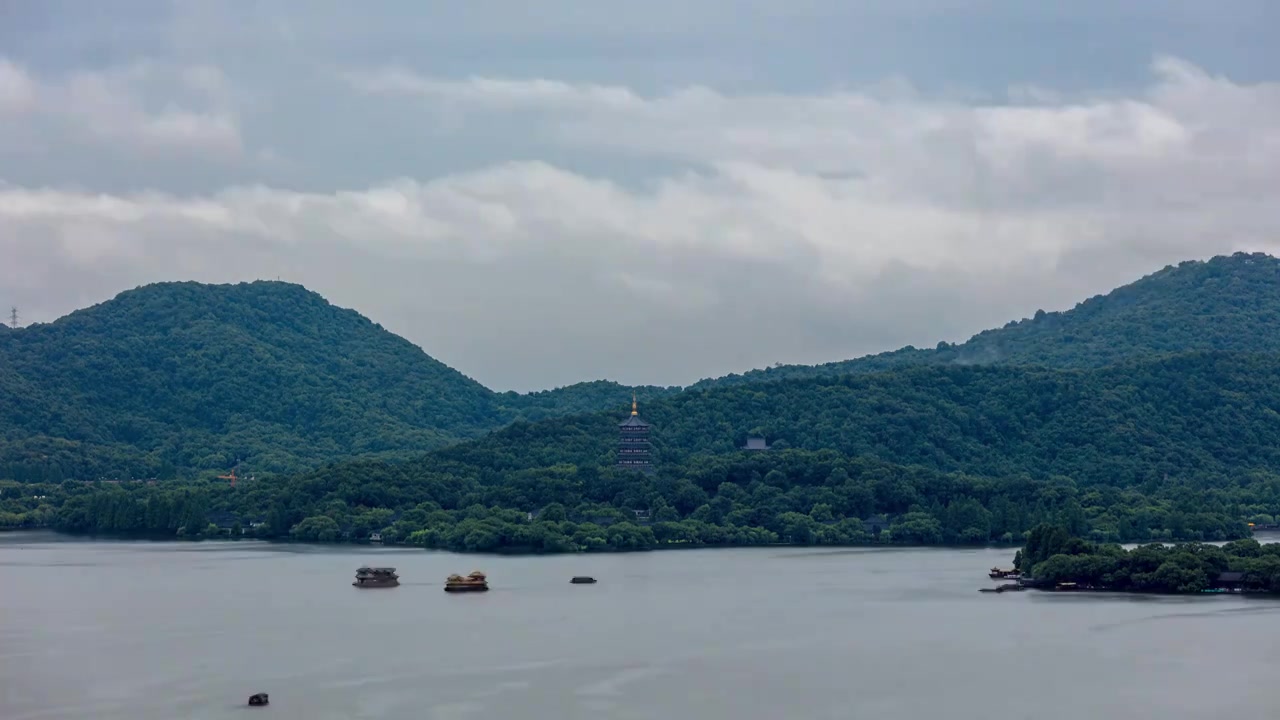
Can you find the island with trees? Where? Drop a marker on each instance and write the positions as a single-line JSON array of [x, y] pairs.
[[1053, 559]]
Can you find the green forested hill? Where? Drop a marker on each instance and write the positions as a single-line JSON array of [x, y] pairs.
[[1189, 415], [1153, 412], [1181, 447], [576, 399], [195, 376], [1226, 303], [185, 376], [177, 378]]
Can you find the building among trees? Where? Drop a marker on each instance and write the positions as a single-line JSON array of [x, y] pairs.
[[633, 442]]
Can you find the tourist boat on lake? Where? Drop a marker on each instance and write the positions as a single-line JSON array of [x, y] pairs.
[[376, 577], [1004, 574], [475, 582]]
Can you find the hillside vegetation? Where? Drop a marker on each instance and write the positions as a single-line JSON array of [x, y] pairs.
[[1052, 555], [1176, 448], [1190, 415], [177, 377], [1227, 303], [1150, 413]]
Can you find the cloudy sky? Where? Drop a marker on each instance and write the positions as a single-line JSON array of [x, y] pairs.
[[656, 192]]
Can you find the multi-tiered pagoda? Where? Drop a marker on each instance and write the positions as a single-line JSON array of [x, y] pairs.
[[633, 442]]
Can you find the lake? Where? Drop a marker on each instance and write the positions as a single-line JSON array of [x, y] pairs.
[[165, 630]]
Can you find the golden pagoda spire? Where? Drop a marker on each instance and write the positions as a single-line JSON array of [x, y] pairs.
[[633, 405]]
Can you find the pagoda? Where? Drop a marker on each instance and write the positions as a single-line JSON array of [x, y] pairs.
[[633, 442]]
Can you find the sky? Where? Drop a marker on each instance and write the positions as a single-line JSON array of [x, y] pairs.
[[543, 193]]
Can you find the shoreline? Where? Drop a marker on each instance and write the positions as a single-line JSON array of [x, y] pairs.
[[665, 547], [1264, 537], [1153, 593]]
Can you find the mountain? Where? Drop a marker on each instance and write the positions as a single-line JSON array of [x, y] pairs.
[[181, 377], [1192, 414], [1226, 303], [191, 375], [1149, 413], [576, 399], [1179, 447]]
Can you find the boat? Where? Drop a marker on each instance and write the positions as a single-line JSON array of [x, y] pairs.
[[475, 582], [1004, 574], [372, 577], [582, 580]]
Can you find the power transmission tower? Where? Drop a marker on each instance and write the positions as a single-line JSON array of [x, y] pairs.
[[13, 318]]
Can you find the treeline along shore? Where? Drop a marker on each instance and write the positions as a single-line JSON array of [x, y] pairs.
[[1054, 559]]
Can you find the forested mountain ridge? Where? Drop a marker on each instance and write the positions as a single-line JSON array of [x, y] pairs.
[[1188, 415], [1182, 447], [187, 376], [579, 398], [1161, 443], [176, 378], [1225, 303]]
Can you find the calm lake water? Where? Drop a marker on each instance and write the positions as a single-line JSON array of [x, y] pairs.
[[161, 631]]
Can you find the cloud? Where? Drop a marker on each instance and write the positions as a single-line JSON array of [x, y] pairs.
[[17, 92], [771, 226], [145, 106], [893, 132], [863, 179]]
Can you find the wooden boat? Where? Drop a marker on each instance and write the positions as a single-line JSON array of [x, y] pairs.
[[258, 699], [475, 582], [371, 577]]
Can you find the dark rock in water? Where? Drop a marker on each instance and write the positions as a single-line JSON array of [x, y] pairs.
[[258, 699], [1007, 587], [582, 580]]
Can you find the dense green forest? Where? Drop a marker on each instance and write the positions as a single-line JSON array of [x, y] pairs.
[[1054, 555], [1118, 434], [1227, 303], [1197, 415], [576, 399], [792, 496], [176, 377], [1176, 448]]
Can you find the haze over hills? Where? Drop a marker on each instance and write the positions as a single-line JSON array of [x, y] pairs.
[[179, 377]]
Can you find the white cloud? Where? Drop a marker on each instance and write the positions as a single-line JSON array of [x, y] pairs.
[[929, 182], [894, 135], [144, 105], [782, 227]]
